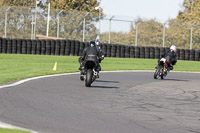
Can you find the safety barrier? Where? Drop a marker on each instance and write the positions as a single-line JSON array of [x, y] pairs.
[[75, 48]]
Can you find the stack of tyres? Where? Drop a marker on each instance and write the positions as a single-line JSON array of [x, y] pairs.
[[72, 49], [118, 51], [34, 46], [24, 46], [137, 52], [53, 47], [178, 54], [187, 54], [57, 47], [82, 46], [28, 46], [142, 52], [122, 51], [48, 47], [152, 52], [19, 46], [43, 47], [197, 55], [67, 47], [4, 45], [147, 52], [77, 47], [192, 55], [62, 47], [14, 46], [0, 45], [9, 46], [127, 52], [182, 54], [108, 52], [132, 52], [104, 49], [162, 50], [39, 47], [157, 53], [113, 50]]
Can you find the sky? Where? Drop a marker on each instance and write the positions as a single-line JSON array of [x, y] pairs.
[[161, 10]]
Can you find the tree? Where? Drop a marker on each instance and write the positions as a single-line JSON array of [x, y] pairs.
[[191, 12]]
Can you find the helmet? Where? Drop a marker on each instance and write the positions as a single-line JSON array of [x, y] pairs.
[[92, 43], [173, 48]]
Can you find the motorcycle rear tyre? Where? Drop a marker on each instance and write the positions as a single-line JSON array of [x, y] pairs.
[[88, 80]]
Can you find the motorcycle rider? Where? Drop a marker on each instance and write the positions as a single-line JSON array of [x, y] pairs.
[[91, 50], [170, 56]]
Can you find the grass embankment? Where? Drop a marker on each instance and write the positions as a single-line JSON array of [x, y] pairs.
[[17, 66], [4, 130]]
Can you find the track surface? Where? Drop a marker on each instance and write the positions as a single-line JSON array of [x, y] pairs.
[[121, 102]]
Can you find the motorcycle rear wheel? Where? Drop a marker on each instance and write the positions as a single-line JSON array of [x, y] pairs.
[[156, 74], [88, 80]]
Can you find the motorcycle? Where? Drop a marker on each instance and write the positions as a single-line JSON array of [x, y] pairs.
[[161, 69], [89, 73]]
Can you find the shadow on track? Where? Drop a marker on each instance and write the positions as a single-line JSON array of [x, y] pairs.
[[107, 81], [176, 80], [105, 87]]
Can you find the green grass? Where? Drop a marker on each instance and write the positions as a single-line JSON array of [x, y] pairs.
[[4, 130], [17, 66]]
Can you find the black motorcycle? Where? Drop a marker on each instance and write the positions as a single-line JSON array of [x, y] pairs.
[[90, 73], [161, 70]]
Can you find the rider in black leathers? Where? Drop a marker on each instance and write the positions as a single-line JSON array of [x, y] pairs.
[[170, 56], [93, 49]]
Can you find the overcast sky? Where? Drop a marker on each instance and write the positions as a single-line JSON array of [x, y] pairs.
[[159, 9]]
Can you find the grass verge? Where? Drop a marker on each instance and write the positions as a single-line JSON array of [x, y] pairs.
[[18, 66], [4, 130]]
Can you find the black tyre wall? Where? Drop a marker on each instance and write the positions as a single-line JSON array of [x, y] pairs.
[[29, 46], [62, 47], [122, 51], [19, 46], [4, 45], [187, 54], [9, 46], [108, 52], [0, 45], [14, 46], [48, 47], [132, 52], [77, 47], [72, 50], [192, 55], [152, 52], [53, 47], [113, 50], [24, 46], [57, 47], [137, 52], [38, 48], [157, 53], [142, 52], [34, 47], [67, 47], [197, 55], [147, 52], [182, 54], [104, 49]]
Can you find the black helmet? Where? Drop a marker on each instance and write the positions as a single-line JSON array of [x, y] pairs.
[[92, 43]]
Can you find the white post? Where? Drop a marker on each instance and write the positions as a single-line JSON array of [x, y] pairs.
[[5, 28], [164, 33], [58, 23], [84, 26], [191, 30], [110, 28], [136, 36], [47, 34]]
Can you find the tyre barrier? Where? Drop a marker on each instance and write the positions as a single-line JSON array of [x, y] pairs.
[[48, 47], [113, 50], [157, 52], [137, 52], [75, 48], [187, 54], [147, 52], [197, 55], [127, 52], [132, 52], [122, 51], [142, 52]]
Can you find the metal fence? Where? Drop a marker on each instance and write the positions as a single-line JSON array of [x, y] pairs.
[[27, 23]]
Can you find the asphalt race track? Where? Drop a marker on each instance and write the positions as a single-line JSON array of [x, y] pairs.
[[118, 102]]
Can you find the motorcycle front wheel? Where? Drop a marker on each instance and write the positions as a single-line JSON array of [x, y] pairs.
[[156, 74], [88, 80]]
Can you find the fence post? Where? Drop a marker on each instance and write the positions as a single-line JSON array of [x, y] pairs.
[[84, 27], [110, 27], [6, 22], [191, 30], [58, 23], [136, 36]]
